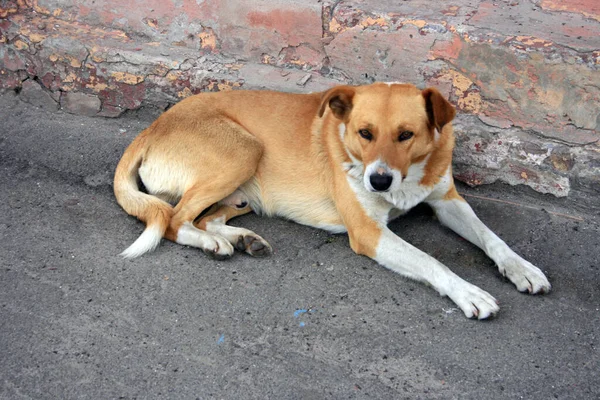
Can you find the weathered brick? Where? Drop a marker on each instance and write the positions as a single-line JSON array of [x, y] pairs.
[[12, 59], [10, 79], [261, 28], [80, 103], [31, 92], [589, 8], [372, 55], [110, 111], [267, 77], [527, 94], [485, 155], [520, 19]]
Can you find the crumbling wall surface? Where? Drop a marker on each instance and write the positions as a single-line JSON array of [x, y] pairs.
[[524, 75]]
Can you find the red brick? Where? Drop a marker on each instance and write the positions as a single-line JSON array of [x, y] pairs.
[[266, 28], [80, 103], [447, 49]]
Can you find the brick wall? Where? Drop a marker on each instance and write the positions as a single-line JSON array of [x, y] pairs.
[[524, 75]]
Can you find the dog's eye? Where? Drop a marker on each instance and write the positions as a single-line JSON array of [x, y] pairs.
[[405, 135], [365, 134]]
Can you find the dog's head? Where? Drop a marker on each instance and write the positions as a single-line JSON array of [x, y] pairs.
[[388, 128]]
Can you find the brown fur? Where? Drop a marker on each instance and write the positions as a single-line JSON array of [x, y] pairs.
[[284, 148], [347, 159]]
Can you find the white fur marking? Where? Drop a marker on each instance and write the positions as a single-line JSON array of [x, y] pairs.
[[342, 130], [405, 259], [189, 235], [441, 188], [167, 180], [147, 241], [410, 192], [332, 228], [458, 216], [230, 233]]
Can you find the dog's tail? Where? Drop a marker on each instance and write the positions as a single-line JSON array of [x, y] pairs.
[[155, 212]]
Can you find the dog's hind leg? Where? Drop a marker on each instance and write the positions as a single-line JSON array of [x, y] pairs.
[[242, 239], [218, 166], [182, 230]]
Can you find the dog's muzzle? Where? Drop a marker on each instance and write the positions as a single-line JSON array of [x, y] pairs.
[[381, 182]]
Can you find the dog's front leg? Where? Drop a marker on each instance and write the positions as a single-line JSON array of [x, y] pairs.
[[381, 244], [455, 213]]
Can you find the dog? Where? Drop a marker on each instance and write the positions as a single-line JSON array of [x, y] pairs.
[[349, 159]]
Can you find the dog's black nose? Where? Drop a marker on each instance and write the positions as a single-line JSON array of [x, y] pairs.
[[381, 182]]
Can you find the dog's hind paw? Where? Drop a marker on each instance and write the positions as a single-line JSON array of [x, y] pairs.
[[218, 248], [253, 245]]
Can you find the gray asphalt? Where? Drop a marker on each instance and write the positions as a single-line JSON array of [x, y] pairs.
[[313, 321]]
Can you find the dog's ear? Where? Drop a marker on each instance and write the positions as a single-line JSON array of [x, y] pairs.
[[339, 99], [439, 110]]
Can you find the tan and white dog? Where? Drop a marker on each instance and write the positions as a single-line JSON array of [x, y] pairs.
[[346, 160]]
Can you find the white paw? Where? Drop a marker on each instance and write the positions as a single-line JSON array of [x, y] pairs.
[[474, 302], [526, 276], [217, 247]]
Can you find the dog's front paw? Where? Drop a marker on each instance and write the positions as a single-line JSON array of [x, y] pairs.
[[526, 276], [474, 302]]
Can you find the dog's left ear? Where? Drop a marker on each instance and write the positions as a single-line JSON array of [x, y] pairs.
[[339, 100], [439, 110]]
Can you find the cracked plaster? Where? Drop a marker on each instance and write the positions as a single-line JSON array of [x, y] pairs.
[[523, 74]]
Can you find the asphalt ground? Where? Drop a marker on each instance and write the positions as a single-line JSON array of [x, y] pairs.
[[313, 321]]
